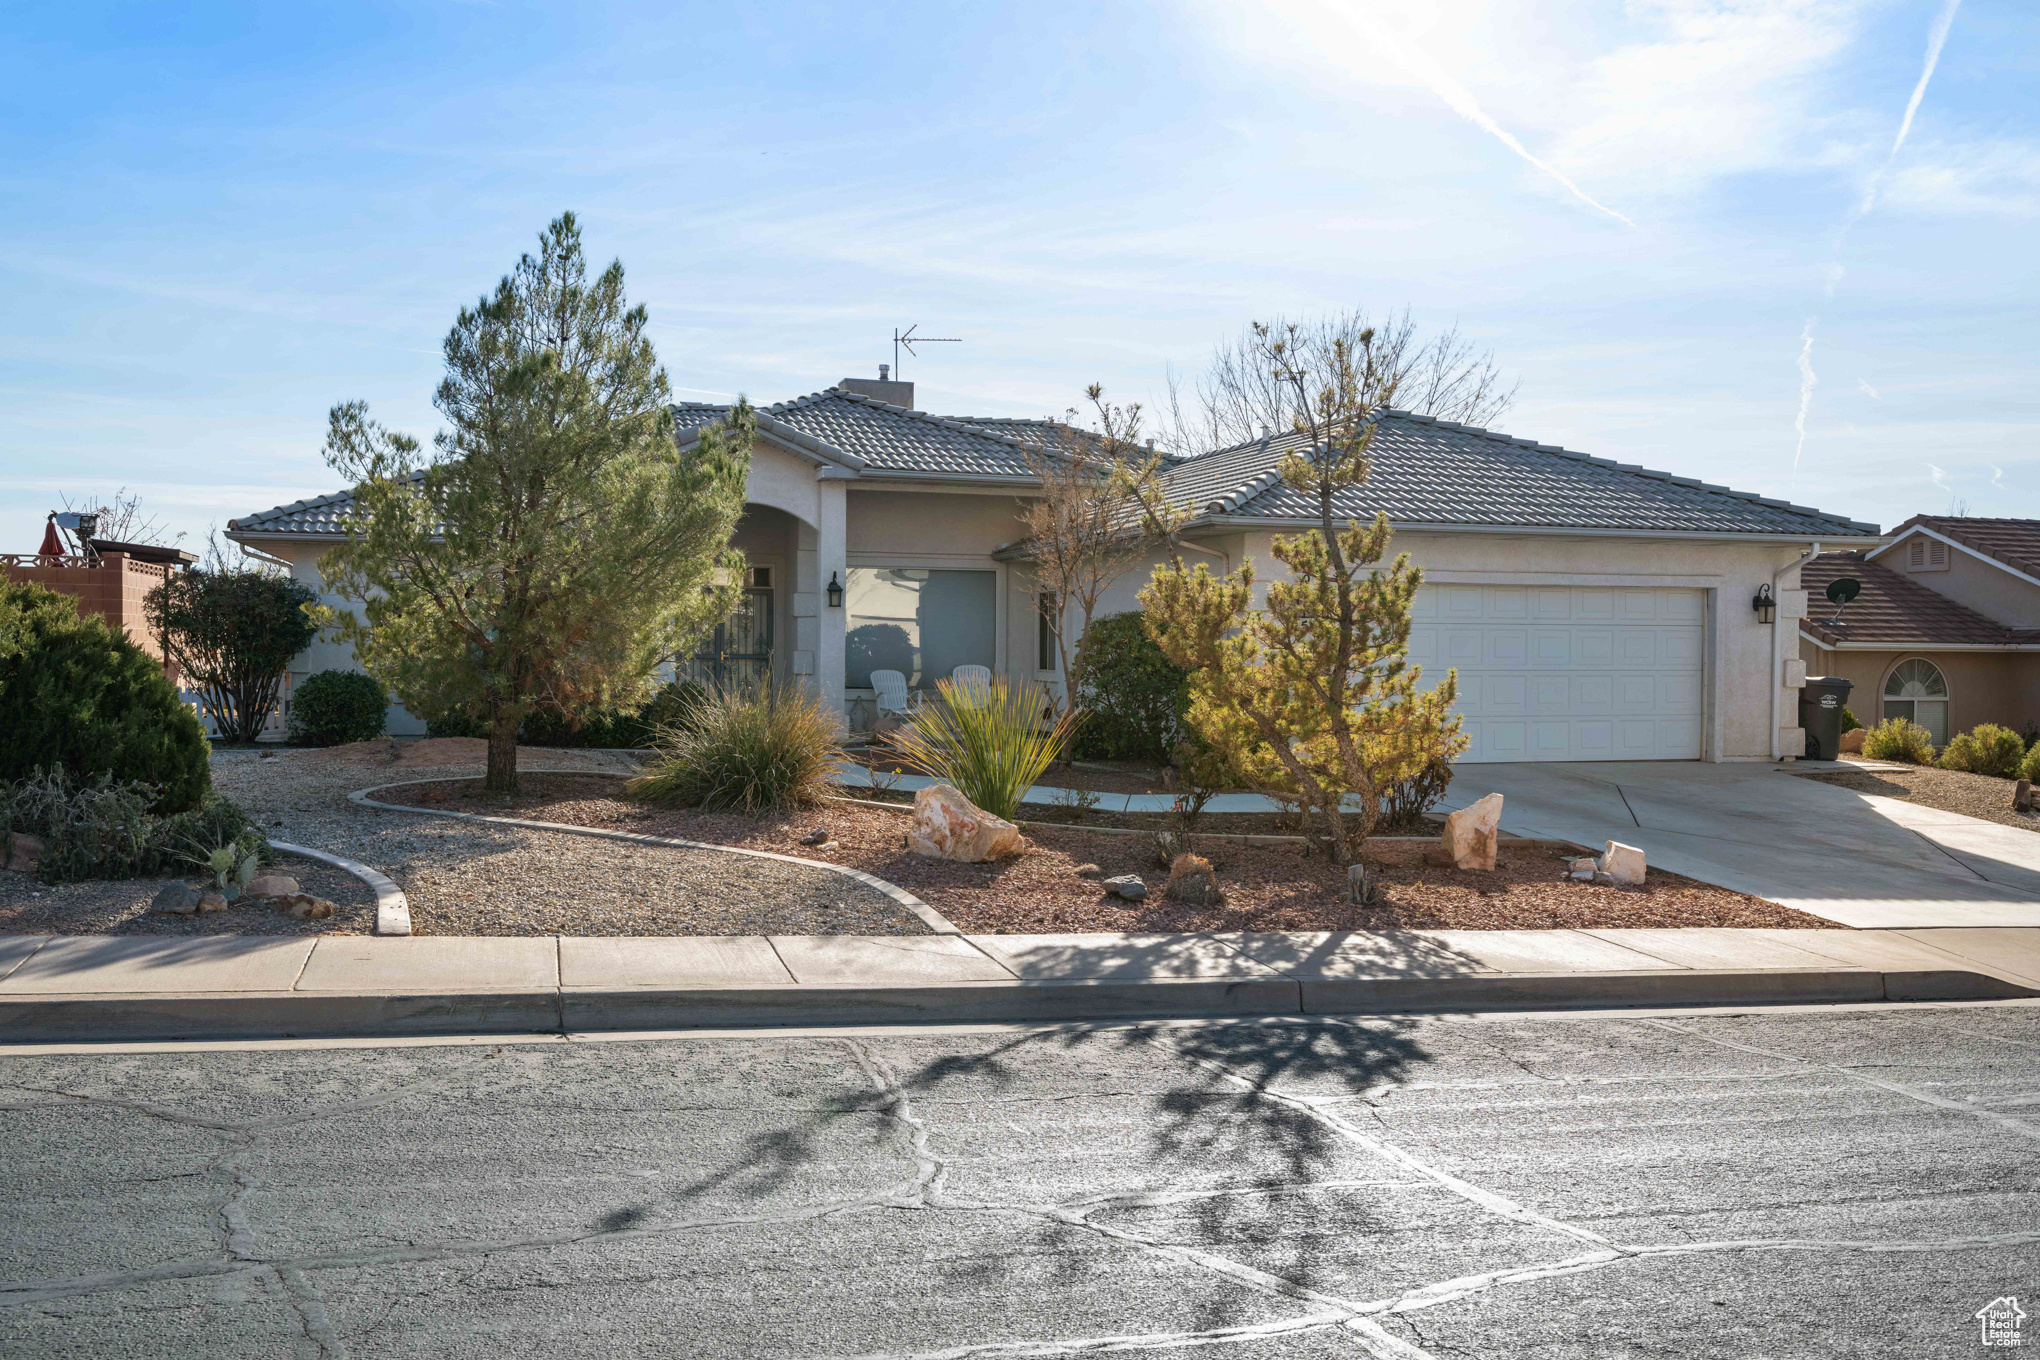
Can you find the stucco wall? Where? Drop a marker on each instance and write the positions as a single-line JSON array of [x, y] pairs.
[[323, 655], [1983, 687], [1983, 586]]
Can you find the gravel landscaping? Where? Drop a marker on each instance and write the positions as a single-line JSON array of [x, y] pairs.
[[1972, 795], [29, 907], [468, 878], [1269, 887]]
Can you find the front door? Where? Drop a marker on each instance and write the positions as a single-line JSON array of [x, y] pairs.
[[738, 654]]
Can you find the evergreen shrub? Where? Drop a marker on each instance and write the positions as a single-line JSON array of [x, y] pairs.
[[335, 707]]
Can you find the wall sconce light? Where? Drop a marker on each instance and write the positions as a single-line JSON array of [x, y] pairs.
[[835, 592], [1765, 604]]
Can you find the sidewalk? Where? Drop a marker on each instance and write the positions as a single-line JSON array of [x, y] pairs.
[[107, 988]]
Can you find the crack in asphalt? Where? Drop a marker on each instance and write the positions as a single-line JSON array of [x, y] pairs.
[[2007, 1121]]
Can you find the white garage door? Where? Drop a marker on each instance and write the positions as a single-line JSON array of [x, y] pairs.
[[1564, 672]]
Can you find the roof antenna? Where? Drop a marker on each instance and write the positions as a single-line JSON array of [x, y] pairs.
[[909, 339]]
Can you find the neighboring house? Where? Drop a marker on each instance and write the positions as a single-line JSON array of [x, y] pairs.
[[1946, 631], [1594, 610], [111, 582]]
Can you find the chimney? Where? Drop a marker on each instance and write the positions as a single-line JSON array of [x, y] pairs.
[[883, 389]]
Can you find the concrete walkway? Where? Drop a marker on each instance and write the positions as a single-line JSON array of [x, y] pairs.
[[107, 987], [1855, 859]]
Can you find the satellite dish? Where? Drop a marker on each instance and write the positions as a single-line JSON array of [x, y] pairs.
[[1843, 589]]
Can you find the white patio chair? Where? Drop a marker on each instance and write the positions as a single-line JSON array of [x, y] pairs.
[[977, 678], [893, 695]]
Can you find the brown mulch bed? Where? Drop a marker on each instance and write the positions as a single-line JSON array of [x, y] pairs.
[[1972, 795], [1098, 777], [1269, 887], [95, 907]]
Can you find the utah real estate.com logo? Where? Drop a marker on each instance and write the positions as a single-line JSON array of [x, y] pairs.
[[1999, 1320]]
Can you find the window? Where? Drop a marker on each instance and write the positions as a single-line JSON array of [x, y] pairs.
[[1044, 631], [761, 578], [1916, 690], [920, 622]]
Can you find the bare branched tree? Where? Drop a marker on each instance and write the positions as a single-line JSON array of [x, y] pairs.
[[1101, 509], [1239, 398], [122, 518]]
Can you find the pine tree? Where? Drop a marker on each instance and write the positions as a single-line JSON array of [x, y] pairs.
[[560, 545], [1312, 698]]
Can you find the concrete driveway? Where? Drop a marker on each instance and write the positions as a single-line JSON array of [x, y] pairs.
[[1856, 859]]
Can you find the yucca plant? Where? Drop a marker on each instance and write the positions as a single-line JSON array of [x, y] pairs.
[[756, 750], [989, 740]]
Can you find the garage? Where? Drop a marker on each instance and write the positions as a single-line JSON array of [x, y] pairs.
[[1567, 672]]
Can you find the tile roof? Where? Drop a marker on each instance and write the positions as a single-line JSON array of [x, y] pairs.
[[2014, 542], [890, 439], [1895, 609], [318, 515], [1429, 471]]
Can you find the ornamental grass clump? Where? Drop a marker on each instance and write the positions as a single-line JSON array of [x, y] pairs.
[[1900, 739], [991, 741], [764, 749], [1985, 749]]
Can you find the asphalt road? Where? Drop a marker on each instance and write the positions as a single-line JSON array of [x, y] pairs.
[[1835, 1183]]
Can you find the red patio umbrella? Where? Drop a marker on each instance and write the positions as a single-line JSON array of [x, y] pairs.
[[52, 542]]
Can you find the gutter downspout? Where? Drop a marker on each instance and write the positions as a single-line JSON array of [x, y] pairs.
[[259, 556], [1778, 646]]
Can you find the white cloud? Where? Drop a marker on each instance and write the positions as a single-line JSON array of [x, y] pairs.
[[1708, 88], [1997, 178], [1863, 386]]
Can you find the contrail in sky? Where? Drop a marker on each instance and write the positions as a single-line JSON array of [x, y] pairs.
[[1937, 38], [1807, 381], [1462, 102]]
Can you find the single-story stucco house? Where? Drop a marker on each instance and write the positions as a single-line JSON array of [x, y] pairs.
[[1594, 610], [1945, 630]]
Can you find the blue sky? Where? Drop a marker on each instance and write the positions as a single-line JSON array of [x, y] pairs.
[[222, 220]]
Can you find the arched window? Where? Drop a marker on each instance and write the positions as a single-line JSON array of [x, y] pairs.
[[1917, 690]]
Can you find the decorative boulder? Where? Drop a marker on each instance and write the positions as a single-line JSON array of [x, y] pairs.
[[270, 885], [1853, 741], [948, 825], [304, 906], [177, 899], [816, 836], [1623, 864], [2022, 796], [1193, 882], [1471, 833], [1089, 871], [211, 902], [1128, 886], [24, 852]]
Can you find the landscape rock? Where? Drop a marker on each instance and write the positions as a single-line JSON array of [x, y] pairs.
[[1363, 886], [1623, 864], [1090, 871], [177, 899], [1128, 886], [1583, 864], [1471, 834], [2022, 796], [1193, 882], [1853, 741], [211, 902], [270, 885], [304, 906], [816, 836], [24, 852], [948, 825], [1169, 847]]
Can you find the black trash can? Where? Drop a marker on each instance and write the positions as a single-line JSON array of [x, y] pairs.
[[1820, 713]]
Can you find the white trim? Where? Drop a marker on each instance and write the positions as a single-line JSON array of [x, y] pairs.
[[1984, 558], [1921, 648]]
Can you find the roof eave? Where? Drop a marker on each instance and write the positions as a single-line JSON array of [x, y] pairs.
[[1547, 530]]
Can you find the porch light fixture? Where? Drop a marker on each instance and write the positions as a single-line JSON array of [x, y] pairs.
[[835, 592], [1765, 603]]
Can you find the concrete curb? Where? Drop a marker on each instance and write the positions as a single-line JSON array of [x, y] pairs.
[[392, 908], [32, 1018], [930, 917]]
